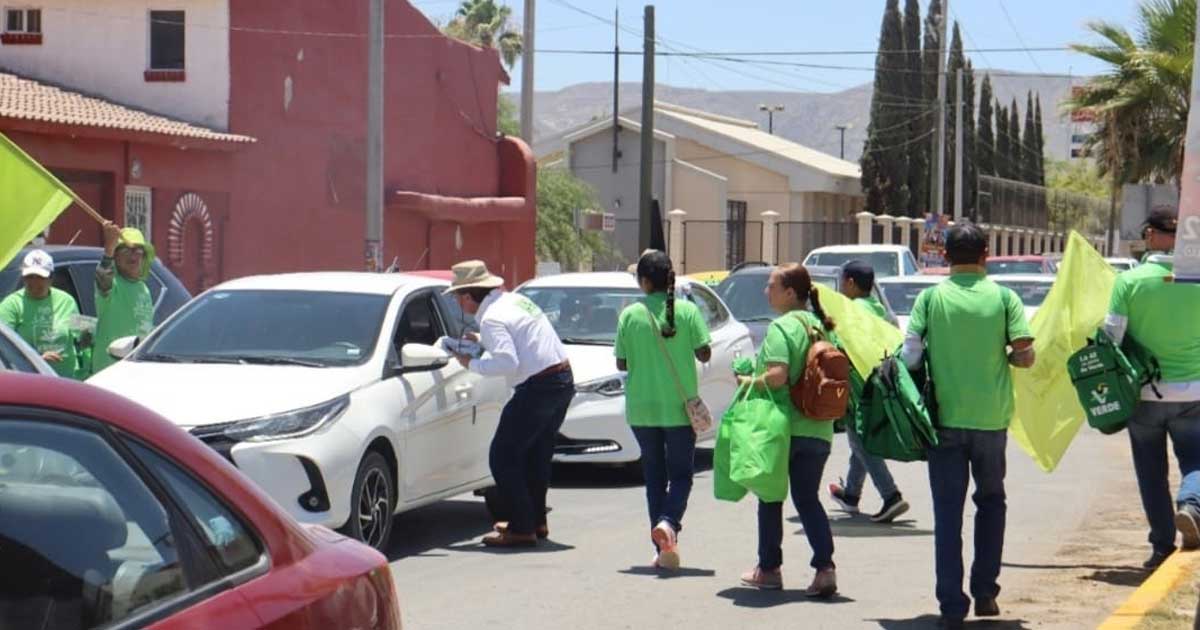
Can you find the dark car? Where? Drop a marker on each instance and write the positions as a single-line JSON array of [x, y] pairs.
[[744, 292], [75, 273]]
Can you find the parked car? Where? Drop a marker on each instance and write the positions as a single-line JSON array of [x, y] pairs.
[[997, 265], [584, 308], [887, 260], [327, 390], [1122, 264], [745, 293], [902, 292], [112, 517], [709, 278], [17, 355], [75, 273]]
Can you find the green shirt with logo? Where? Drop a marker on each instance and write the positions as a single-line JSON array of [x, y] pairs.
[[652, 397], [126, 310], [1162, 318], [46, 325], [873, 305], [787, 342], [967, 322]]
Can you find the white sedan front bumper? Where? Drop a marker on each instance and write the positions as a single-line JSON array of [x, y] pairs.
[[595, 432]]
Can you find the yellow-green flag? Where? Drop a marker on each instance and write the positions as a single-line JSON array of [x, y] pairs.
[[865, 336], [1048, 414], [30, 199]]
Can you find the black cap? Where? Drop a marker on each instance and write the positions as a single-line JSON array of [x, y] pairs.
[[1163, 219]]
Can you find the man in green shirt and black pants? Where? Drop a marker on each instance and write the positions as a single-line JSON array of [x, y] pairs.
[[41, 314], [972, 329], [1159, 315], [124, 307]]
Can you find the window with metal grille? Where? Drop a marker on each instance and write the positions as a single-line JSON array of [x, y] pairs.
[[735, 233], [137, 209], [166, 40]]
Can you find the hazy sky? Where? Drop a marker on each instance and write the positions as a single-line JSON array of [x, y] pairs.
[[792, 25]]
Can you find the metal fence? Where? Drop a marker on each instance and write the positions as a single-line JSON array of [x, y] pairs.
[[795, 239], [713, 244]]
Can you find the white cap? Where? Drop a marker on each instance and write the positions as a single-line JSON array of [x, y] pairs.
[[37, 263]]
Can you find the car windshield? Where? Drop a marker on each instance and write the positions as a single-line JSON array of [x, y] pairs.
[[886, 264], [902, 295], [1121, 265], [310, 328], [585, 316], [997, 267], [746, 295], [1031, 293]]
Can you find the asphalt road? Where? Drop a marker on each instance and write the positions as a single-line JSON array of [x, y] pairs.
[[593, 573]]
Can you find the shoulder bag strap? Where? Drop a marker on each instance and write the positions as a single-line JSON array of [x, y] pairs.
[[662, 345]]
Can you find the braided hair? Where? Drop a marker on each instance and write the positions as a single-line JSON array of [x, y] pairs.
[[655, 267], [795, 277]]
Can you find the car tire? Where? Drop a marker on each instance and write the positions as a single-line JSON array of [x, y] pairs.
[[372, 502]]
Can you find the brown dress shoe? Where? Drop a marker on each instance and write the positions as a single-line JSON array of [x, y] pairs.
[[542, 531], [508, 539]]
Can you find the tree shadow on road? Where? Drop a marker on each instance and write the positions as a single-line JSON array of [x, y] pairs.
[[746, 597], [862, 527], [1108, 574], [436, 527], [931, 621], [681, 572]]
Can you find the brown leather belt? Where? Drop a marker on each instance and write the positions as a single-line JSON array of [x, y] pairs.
[[558, 368]]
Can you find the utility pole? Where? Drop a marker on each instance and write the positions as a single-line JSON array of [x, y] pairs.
[[770, 109], [527, 75], [647, 166], [842, 128], [937, 194], [958, 146], [374, 238], [616, 148]]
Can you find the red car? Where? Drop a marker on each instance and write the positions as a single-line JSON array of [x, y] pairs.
[[112, 516], [1019, 264]]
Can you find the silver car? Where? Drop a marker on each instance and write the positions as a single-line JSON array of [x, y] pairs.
[[19, 356]]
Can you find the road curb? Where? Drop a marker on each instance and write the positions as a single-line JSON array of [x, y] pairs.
[[1169, 576]]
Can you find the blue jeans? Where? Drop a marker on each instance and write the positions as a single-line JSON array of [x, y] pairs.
[[862, 464], [668, 455], [960, 455], [1152, 422], [523, 448], [805, 467], [1189, 490]]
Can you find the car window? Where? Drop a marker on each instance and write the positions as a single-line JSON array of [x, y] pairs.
[[901, 295], [715, 314], [910, 264], [94, 544], [885, 264], [455, 319], [223, 532], [156, 286], [11, 357], [1031, 293], [997, 267], [418, 323], [83, 276], [746, 296]]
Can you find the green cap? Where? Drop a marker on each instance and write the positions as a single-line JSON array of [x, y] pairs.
[[133, 237]]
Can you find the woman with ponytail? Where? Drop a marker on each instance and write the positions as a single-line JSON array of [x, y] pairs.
[[659, 340], [781, 362]]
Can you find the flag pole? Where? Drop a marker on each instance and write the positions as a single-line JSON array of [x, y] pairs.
[[86, 208]]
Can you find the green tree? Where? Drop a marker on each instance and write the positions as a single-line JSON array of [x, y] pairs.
[[1003, 154], [1141, 103], [985, 150], [970, 141], [1041, 141], [932, 44], [1029, 161], [884, 161], [487, 24], [1016, 153], [559, 195], [506, 117], [1078, 195], [921, 121]]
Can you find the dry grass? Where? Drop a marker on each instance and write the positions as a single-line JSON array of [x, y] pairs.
[[1177, 611]]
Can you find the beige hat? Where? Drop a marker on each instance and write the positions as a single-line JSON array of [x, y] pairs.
[[473, 274]]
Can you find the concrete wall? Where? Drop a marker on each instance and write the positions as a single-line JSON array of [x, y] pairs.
[[103, 48], [702, 194]]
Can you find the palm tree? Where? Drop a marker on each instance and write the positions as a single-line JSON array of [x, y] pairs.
[[487, 24], [1141, 104]]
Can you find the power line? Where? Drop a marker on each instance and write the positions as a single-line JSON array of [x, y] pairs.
[[802, 53], [1017, 32]]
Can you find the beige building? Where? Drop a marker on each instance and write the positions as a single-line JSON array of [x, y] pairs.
[[724, 173]]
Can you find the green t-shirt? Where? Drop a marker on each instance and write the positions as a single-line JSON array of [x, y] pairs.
[[46, 325], [1162, 318], [967, 322], [873, 305], [787, 342], [651, 395], [126, 311]]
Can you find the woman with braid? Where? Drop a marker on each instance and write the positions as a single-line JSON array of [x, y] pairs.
[[659, 340]]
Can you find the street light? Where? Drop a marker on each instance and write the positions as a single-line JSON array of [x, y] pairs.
[[842, 128], [770, 109]]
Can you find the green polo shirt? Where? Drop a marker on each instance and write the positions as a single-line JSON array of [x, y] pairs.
[[873, 305], [787, 342], [967, 322], [1162, 318], [46, 325], [652, 396]]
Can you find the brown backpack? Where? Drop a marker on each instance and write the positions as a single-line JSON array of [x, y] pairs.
[[823, 391]]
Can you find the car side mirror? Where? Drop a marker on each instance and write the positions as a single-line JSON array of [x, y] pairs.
[[415, 357], [122, 347]]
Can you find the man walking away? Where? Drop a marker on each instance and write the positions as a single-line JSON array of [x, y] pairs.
[[520, 344], [858, 281], [41, 314], [1159, 316], [124, 307], [973, 329]]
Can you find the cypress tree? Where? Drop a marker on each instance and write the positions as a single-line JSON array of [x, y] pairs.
[[1003, 149], [1016, 158], [970, 143], [919, 145], [929, 78], [887, 133], [985, 149], [1041, 142], [1029, 143]]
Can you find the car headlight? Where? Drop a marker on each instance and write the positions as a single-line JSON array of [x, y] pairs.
[[289, 424], [610, 386]]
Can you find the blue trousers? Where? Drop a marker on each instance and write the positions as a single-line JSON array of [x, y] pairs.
[[806, 464], [668, 455], [1151, 425]]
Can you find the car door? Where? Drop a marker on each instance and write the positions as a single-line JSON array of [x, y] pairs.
[[717, 385]]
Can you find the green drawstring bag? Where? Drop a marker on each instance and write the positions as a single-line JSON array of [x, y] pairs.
[[760, 440]]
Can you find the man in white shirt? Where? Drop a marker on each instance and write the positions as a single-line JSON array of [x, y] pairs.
[[520, 344]]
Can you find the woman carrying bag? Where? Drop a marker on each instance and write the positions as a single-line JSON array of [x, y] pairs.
[[781, 362], [658, 342]]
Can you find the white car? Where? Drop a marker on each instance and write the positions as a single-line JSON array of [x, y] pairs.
[[327, 390], [887, 260], [17, 355], [1122, 264], [584, 308], [902, 292]]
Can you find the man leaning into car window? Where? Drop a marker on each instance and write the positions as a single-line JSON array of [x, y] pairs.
[[520, 344]]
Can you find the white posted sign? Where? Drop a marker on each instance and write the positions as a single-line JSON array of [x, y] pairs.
[[1187, 244]]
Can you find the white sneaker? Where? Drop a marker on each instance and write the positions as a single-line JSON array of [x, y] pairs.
[[666, 539]]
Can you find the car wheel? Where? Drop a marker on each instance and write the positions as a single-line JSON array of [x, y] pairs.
[[372, 502]]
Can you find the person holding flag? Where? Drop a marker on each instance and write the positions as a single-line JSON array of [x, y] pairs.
[[124, 307], [42, 314]]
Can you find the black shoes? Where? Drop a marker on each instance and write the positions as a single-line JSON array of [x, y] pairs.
[[986, 607], [893, 507], [1155, 560]]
